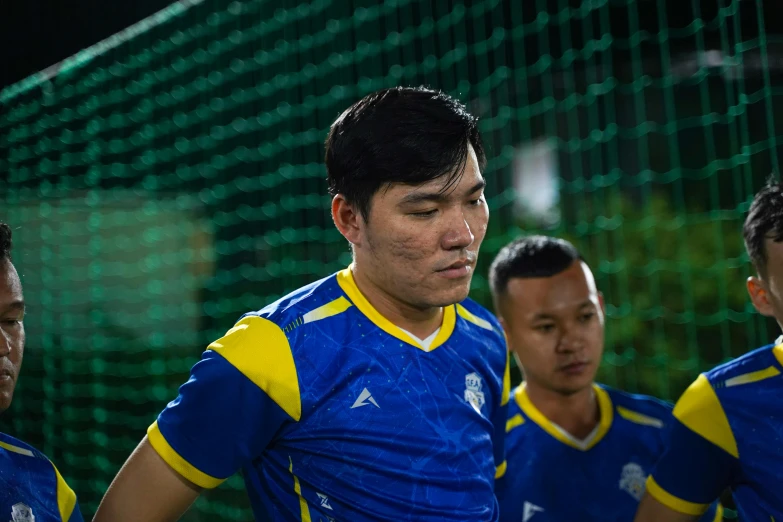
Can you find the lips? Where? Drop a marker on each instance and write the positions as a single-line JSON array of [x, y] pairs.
[[6, 374], [458, 265], [575, 368]]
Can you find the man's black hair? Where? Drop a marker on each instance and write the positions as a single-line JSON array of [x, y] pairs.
[[528, 257], [408, 135], [5, 242], [764, 221]]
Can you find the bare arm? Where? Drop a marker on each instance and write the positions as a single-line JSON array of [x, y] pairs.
[[650, 510], [146, 488]]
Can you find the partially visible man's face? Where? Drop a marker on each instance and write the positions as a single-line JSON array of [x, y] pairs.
[[555, 327], [766, 291], [419, 244], [11, 331]]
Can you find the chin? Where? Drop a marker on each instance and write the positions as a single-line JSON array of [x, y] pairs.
[[571, 388], [450, 297]]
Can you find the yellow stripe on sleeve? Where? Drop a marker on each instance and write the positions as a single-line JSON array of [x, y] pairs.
[[639, 418], [718, 514], [330, 309], [177, 463], [259, 349], [472, 318], [501, 470], [16, 449], [748, 378], [675, 503], [513, 422], [304, 509], [66, 498], [700, 410]]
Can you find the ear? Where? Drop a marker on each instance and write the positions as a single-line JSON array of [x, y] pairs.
[[601, 303], [759, 296], [347, 219]]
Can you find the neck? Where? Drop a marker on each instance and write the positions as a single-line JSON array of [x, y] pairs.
[[577, 413], [421, 322]]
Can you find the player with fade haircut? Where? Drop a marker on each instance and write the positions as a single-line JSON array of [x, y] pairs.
[[376, 394], [575, 450], [31, 488], [729, 430]]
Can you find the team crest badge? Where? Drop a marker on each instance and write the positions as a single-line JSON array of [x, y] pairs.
[[633, 479], [473, 394], [21, 513]]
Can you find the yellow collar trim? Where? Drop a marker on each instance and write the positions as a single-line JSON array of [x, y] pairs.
[[534, 414], [777, 351], [347, 283]]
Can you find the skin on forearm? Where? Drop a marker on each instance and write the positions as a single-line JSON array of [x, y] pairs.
[[146, 488], [650, 510]]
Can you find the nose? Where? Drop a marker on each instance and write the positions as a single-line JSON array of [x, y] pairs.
[[571, 341], [459, 234], [5, 343]]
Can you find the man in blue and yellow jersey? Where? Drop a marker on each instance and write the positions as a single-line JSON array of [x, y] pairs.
[[376, 394], [729, 430], [31, 488], [575, 450]]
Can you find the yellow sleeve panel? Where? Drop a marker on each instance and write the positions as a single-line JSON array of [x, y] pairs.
[[259, 349], [66, 498], [700, 410]]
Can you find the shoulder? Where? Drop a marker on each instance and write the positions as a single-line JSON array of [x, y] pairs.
[[719, 395], [319, 300], [479, 320], [514, 418], [38, 465], [17, 447], [642, 410], [754, 366]]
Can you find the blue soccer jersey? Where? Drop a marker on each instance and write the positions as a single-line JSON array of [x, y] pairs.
[[333, 413], [552, 477], [31, 488], [729, 433]]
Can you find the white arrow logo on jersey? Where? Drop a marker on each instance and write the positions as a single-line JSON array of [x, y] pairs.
[[363, 398], [530, 510], [324, 500]]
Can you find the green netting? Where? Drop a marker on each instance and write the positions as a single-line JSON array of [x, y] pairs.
[[169, 180]]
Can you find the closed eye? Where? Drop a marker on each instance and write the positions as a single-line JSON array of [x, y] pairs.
[[544, 328], [426, 213]]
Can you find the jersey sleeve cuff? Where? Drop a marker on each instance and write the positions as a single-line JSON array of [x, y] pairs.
[[672, 502], [177, 463]]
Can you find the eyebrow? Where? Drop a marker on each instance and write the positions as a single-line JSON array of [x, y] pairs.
[[15, 306], [539, 317], [437, 197]]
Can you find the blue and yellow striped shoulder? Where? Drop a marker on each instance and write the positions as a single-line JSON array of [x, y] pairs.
[[642, 410], [17, 447], [315, 302], [479, 317], [756, 366], [37, 484]]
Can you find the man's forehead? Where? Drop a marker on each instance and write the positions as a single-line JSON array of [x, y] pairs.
[[9, 279], [560, 291]]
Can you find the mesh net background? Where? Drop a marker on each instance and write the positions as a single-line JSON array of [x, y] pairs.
[[170, 179]]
